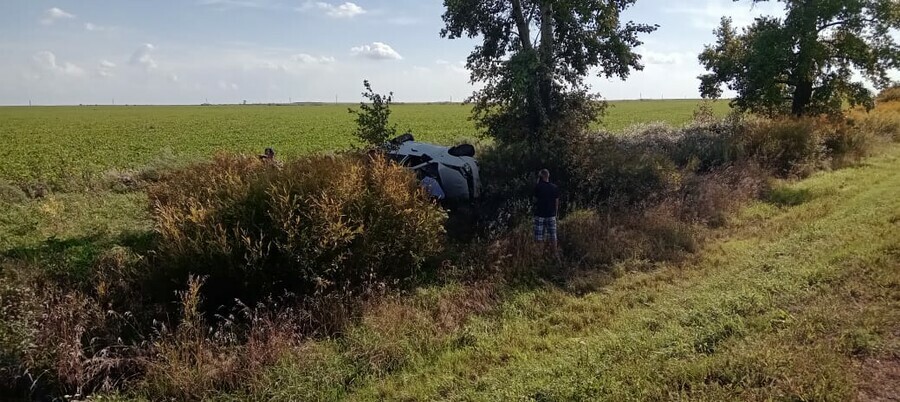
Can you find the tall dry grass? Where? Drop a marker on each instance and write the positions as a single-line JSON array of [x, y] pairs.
[[317, 225]]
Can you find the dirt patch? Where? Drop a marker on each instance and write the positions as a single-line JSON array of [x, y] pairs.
[[880, 379]]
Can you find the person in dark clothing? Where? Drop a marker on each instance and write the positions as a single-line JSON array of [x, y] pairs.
[[268, 155], [546, 209]]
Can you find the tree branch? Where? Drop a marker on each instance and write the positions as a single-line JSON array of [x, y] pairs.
[[842, 22]]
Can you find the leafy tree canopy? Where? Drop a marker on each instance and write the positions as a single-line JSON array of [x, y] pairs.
[[535, 54], [807, 62]]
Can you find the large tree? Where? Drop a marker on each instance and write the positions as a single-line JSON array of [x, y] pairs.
[[535, 54], [808, 61]]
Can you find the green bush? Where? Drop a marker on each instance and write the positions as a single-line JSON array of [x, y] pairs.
[[604, 171], [704, 147], [845, 144], [785, 146], [619, 172], [319, 224]]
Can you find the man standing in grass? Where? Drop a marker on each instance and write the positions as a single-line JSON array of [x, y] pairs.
[[546, 209]]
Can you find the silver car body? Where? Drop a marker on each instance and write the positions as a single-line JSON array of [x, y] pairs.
[[457, 175]]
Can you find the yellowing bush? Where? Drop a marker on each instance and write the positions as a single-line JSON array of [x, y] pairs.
[[317, 225], [891, 94]]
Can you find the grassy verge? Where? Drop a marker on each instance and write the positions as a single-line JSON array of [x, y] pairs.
[[793, 301]]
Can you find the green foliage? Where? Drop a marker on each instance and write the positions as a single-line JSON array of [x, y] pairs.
[[533, 80], [786, 146], [318, 225], [805, 63], [372, 120], [49, 148]]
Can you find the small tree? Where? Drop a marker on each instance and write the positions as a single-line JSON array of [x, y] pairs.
[[372, 119]]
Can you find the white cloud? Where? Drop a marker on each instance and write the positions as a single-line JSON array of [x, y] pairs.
[[304, 58], [55, 14], [106, 68], [143, 57], [666, 58], [45, 62], [376, 51], [173, 78], [709, 13], [88, 26], [345, 10]]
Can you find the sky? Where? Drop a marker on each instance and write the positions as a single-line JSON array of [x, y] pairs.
[[229, 51]]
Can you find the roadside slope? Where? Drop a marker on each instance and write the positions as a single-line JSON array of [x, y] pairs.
[[790, 302]]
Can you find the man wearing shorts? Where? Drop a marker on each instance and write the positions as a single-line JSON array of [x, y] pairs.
[[546, 209]]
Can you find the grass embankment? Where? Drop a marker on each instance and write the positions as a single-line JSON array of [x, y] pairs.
[[799, 298]]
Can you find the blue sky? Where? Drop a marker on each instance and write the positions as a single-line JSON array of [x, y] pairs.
[[227, 51]]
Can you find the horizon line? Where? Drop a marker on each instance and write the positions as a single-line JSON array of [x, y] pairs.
[[305, 103]]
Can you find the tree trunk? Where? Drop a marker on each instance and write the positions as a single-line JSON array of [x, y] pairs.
[[522, 25], [801, 98], [536, 112], [805, 68], [545, 78]]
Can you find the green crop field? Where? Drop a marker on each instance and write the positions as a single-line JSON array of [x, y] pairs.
[[57, 144]]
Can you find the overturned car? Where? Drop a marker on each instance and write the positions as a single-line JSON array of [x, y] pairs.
[[448, 173]]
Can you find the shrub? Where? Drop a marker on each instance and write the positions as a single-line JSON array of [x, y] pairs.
[[196, 361], [605, 171], [57, 341], [318, 225], [891, 94], [591, 240], [708, 198], [845, 144], [881, 125], [704, 147], [785, 146], [618, 172]]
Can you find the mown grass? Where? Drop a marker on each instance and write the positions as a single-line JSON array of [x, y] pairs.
[[785, 304], [70, 216], [64, 146]]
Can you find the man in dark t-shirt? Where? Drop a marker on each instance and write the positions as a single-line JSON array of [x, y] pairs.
[[546, 209]]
